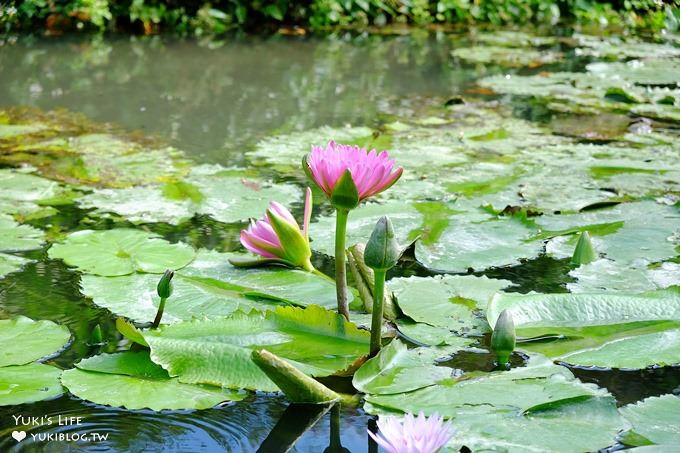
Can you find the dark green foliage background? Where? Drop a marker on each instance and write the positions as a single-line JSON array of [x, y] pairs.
[[219, 16]]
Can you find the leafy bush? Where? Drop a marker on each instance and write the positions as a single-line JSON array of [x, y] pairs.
[[219, 16]]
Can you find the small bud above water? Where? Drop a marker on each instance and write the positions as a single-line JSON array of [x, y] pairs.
[[584, 252], [164, 287], [382, 250], [503, 338]]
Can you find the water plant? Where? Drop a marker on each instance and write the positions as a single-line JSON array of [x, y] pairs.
[[382, 253], [415, 434], [348, 175], [277, 237], [503, 338], [584, 252], [164, 290]]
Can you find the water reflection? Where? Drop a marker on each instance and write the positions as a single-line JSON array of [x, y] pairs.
[[263, 423], [211, 100]]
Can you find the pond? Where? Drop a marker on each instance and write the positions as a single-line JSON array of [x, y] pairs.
[[512, 144]]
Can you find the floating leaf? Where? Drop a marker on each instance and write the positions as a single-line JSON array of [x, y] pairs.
[[607, 275], [139, 383], [507, 56], [654, 420], [28, 383], [15, 237], [25, 340], [396, 369], [218, 351], [448, 301], [658, 348], [121, 252], [10, 263], [208, 286], [227, 195]]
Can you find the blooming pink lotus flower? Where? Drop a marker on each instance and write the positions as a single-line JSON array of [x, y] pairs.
[[371, 171], [415, 435], [278, 237]]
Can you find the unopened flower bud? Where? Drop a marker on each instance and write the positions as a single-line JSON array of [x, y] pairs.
[[165, 284], [382, 250]]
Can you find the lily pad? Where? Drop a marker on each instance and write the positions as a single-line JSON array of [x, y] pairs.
[[209, 286], [396, 369], [286, 151], [25, 340], [617, 48], [658, 348], [139, 383], [28, 383], [24, 193], [606, 275], [514, 57], [452, 302], [121, 252], [10, 263], [15, 237], [473, 243], [543, 314], [654, 420], [227, 195], [218, 351]]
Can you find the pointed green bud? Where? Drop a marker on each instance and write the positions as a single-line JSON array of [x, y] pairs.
[[382, 251], [165, 284], [295, 246], [96, 335], [296, 385], [345, 194], [584, 252], [503, 337]]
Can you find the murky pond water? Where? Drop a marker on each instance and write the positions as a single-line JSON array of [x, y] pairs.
[[217, 100]]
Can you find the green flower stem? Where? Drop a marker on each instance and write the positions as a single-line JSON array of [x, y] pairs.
[[159, 313], [340, 271], [376, 320], [335, 444]]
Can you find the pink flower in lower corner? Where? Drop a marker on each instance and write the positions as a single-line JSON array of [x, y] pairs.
[[278, 236], [372, 172], [414, 435]]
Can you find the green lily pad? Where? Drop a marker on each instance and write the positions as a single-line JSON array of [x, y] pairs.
[[139, 383], [24, 193], [617, 47], [650, 232], [209, 286], [606, 275], [121, 252], [286, 151], [15, 130], [524, 409], [227, 195], [104, 160], [641, 72], [406, 219], [544, 314], [512, 38], [472, 243], [654, 420], [218, 351], [589, 425], [425, 334], [10, 263], [658, 348], [25, 340], [452, 302], [396, 369], [15, 237], [539, 386], [514, 57], [28, 383]]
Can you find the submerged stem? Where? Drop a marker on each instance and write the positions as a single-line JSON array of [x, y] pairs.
[[159, 313], [376, 320], [340, 271]]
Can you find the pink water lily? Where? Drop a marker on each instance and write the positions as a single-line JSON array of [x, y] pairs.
[[278, 236], [415, 435], [371, 171]]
